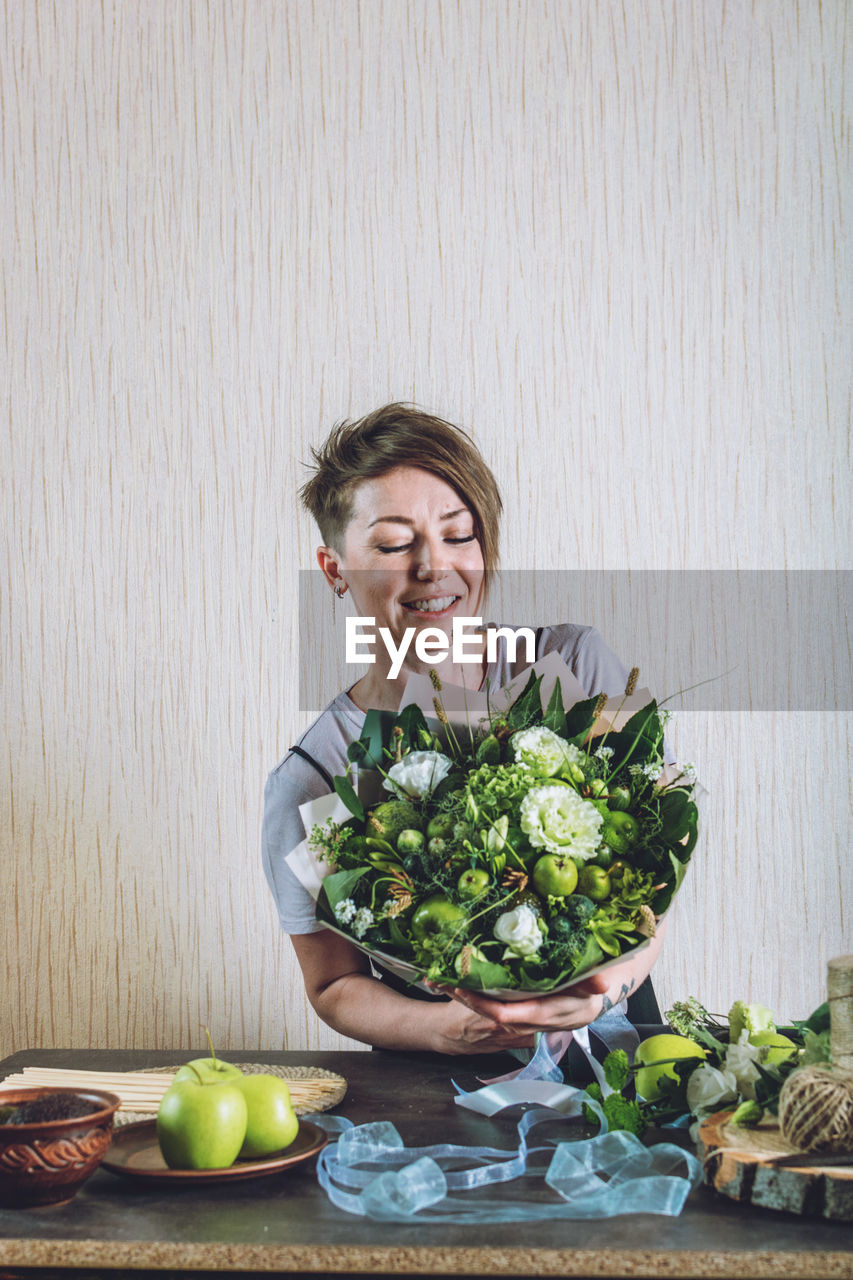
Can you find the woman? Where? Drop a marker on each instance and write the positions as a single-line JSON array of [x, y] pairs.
[[408, 512]]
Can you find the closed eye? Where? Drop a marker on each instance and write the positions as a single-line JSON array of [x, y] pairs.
[[407, 546]]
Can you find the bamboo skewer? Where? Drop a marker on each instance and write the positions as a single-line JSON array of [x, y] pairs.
[[142, 1091]]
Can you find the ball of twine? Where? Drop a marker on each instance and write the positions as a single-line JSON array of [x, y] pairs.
[[816, 1109]]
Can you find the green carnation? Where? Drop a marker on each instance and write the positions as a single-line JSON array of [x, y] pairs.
[[544, 751], [557, 819]]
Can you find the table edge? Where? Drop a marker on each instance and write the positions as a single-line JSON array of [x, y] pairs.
[[827, 1264]]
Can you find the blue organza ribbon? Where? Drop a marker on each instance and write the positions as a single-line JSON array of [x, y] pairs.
[[540, 1081], [369, 1171]]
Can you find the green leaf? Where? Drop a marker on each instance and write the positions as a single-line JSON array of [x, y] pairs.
[[555, 716], [817, 1047], [579, 719], [489, 750], [645, 722], [398, 937], [528, 704], [676, 813], [680, 870], [344, 789], [486, 974], [817, 1021], [340, 885], [630, 747], [376, 734], [413, 723], [591, 956]]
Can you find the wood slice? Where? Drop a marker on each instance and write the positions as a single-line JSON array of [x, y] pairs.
[[739, 1164]]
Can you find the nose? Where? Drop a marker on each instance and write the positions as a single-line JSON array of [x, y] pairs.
[[431, 561]]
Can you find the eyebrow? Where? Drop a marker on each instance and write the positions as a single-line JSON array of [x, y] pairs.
[[460, 511]]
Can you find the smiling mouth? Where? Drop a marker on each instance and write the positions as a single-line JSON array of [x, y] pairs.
[[436, 604]]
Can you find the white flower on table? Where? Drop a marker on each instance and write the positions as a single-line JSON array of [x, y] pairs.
[[417, 774], [557, 819], [740, 1061], [519, 930], [708, 1087]]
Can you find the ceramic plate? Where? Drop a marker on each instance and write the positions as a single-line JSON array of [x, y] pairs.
[[135, 1153]]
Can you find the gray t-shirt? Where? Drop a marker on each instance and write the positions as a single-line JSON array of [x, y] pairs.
[[295, 781]]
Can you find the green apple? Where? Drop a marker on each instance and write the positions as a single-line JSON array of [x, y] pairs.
[[473, 882], [272, 1123], [594, 882], [779, 1047], [434, 914], [555, 875], [410, 840], [201, 1125], [655, 1056], [441, 826]]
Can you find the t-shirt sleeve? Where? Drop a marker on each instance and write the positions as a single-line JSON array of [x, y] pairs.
[[593, 662], [288, 786]]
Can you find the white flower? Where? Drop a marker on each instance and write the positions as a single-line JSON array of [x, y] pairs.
[[418, 773], [604, 753], [363, 921], [707, 1087], [544, 751], [519, 930], [740, 1061], [345, 911], [497, 833], [557, 819]]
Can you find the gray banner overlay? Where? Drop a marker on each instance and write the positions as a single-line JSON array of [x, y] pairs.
[[716, 640]]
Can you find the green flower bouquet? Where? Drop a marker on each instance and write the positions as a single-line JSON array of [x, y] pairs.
[[512, 853]]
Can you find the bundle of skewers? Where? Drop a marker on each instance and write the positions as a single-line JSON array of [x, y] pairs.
[[141, 1091]]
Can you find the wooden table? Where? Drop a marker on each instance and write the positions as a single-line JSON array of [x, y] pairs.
[[286, 1225]]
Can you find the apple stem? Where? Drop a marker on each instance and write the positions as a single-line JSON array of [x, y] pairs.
[[210, 1046], [195, 1072]]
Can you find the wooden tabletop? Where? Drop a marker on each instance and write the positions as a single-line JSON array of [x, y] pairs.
[[285, 1223]]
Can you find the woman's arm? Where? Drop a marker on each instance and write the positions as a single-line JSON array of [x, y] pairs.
[[341, 989]]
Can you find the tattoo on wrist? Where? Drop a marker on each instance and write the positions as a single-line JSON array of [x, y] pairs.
[[607, 1004]]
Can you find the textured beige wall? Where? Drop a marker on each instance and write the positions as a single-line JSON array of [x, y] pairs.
[[608, 238]]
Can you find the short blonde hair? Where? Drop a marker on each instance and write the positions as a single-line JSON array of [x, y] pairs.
[[394, 436]]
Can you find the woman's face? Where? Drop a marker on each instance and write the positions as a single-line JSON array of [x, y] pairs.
[[410, 555]]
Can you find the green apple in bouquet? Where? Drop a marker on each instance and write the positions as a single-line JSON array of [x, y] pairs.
[[514, 856]]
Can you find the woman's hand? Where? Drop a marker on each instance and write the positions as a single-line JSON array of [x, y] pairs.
[[494, 1024]]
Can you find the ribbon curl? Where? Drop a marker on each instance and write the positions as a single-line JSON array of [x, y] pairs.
[[371, 1173]]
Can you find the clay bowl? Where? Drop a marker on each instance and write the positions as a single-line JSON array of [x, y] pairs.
[[45, 1162]]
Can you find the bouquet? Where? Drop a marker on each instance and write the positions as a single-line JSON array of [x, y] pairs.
[[512, 852], [708, 1064]]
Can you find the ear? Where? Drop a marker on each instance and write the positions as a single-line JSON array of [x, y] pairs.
[[330, 563]]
